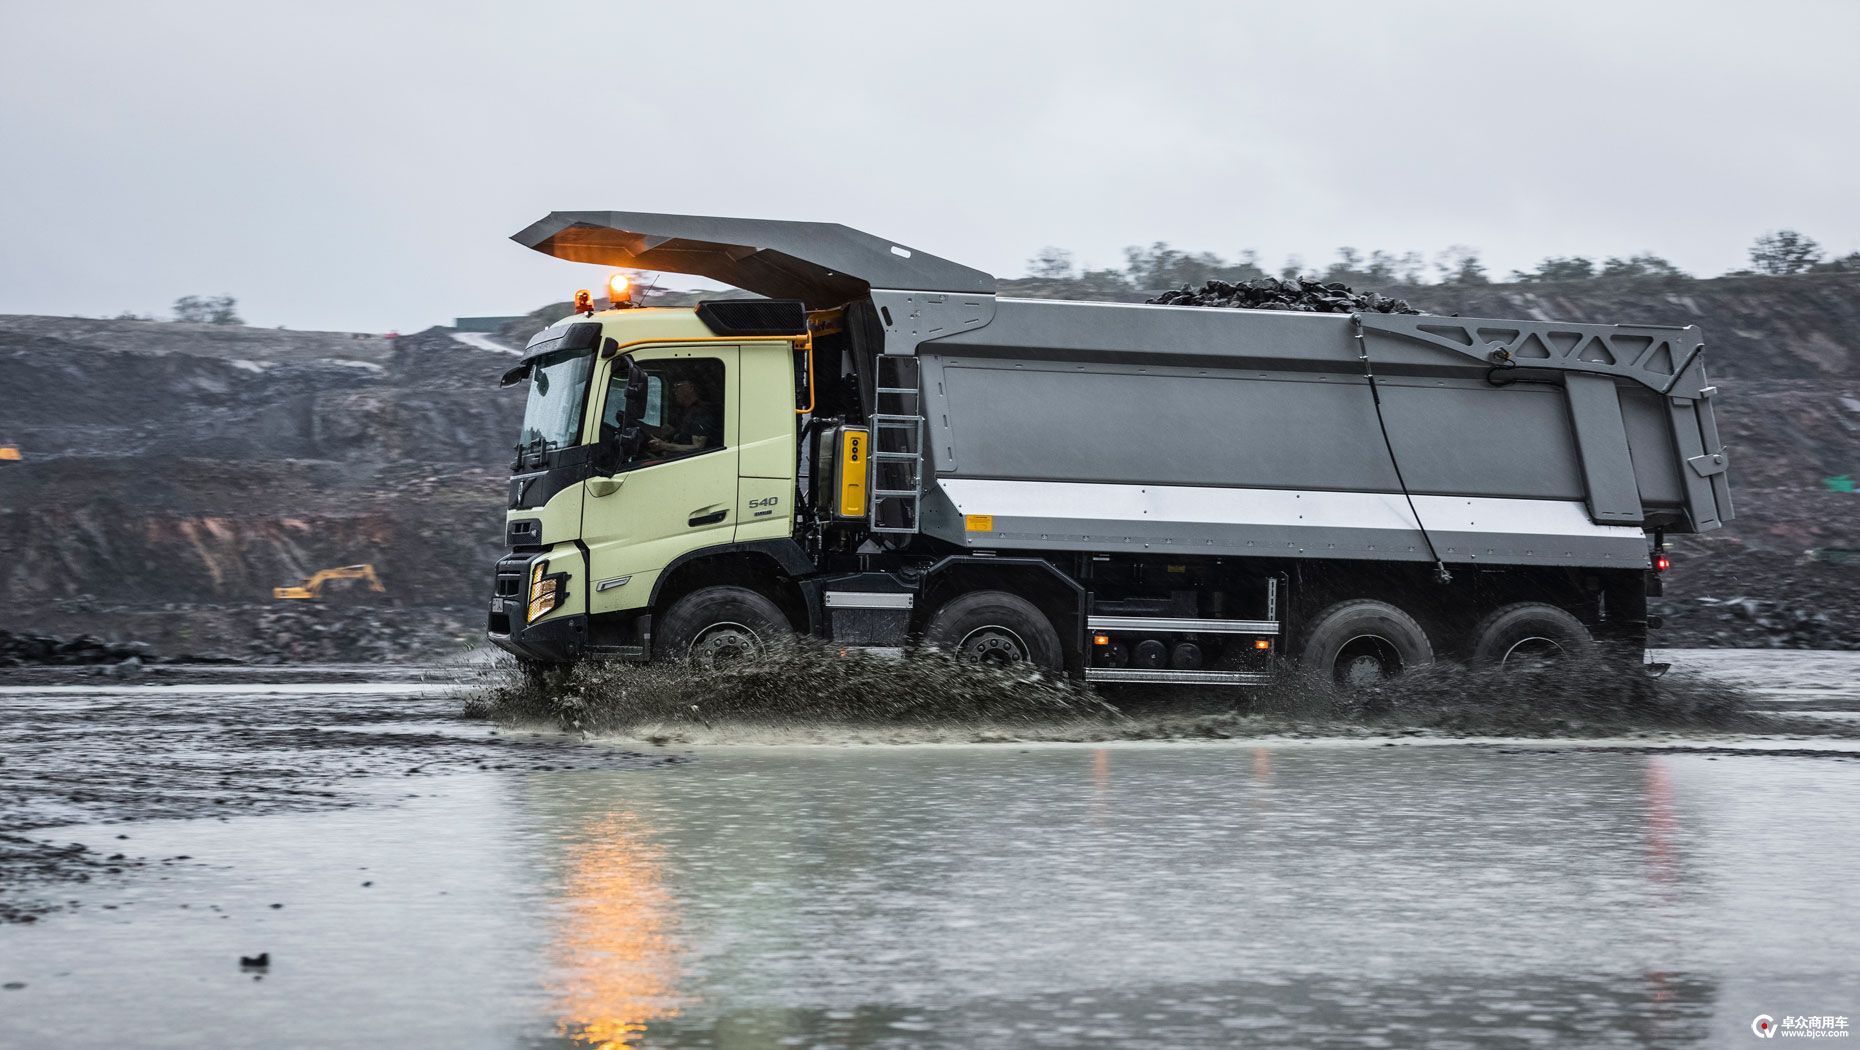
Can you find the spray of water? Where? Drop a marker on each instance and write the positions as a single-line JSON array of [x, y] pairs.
[[815, 693], [799, 691]]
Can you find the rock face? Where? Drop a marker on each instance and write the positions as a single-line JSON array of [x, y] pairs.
[[173, 474], [1760, 328]]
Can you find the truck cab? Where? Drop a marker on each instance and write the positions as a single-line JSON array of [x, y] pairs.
[[648, 435]]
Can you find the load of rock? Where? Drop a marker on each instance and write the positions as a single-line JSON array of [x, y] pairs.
[[1269, 293]]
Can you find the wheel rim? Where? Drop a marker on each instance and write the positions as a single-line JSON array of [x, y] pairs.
[[722, 643], [1366, 660], [993, 645], [1533, 650]]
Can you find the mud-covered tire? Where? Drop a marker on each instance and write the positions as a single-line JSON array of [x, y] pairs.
[[1529, 630], [1359, 642], [714, 624], [996, 627]]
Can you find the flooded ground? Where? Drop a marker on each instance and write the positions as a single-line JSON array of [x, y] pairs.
[[415, 879]]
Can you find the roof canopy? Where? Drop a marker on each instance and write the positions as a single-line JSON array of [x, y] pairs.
[[822, 263]]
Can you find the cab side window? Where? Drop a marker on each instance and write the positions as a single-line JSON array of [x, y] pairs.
[[685, 403]]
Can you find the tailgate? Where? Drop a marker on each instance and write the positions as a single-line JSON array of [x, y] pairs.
[[1649, 457]]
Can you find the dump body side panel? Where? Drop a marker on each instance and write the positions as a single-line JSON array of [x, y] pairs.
[[1100, 427]]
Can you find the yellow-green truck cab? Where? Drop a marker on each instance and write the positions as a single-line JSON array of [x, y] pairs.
[[603, 503]]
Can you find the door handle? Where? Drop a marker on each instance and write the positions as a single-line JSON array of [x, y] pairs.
[[598, 487], [707, 516]]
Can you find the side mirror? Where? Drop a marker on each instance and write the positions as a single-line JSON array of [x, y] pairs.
[[632, 434], [635, 392], [623, 441]]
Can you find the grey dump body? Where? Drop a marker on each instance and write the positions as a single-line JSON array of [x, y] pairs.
[[1100, 427], [1087, 426]]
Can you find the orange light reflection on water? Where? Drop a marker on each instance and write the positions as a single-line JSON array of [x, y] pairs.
[[617, 954]]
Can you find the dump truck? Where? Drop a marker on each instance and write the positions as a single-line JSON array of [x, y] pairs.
[[879, 450]]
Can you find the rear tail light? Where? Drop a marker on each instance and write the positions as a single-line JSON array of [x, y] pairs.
[[1661, 563]]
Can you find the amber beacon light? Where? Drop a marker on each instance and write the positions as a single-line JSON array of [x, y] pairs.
[[619, 289]]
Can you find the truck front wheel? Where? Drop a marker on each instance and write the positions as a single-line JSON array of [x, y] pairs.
[[714, 625], [1359, 643], [995, 627]]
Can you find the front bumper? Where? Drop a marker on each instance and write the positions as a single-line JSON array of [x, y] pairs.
[[558, 640]]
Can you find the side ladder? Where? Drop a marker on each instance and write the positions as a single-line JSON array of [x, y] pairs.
[[897, 447]]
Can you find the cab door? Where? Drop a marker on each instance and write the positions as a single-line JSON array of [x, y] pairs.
[[670, 498]]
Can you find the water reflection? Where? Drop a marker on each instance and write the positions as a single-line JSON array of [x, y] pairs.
[[617, 953], [1661, 825], [1276, 896]]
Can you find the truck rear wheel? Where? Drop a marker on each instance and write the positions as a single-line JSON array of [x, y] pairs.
[[1361, 642], [714, 625], [995, 627], [1529, 632]]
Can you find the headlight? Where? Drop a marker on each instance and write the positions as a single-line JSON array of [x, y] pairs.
[[545, 594]]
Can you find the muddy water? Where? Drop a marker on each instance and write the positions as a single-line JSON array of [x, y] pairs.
[[1266, 892]]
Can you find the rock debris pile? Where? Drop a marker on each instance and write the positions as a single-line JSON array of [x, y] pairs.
[[44, 650], [1269, 293], [1741, 622], [307, 632]]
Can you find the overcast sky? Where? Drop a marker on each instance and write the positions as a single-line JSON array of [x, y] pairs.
[[362, 165]]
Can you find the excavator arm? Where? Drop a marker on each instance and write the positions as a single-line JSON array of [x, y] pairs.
[[312, 588]]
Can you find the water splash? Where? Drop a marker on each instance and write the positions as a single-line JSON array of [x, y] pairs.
[[816, 693]]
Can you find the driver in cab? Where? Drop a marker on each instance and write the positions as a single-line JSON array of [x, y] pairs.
[[696, 425]]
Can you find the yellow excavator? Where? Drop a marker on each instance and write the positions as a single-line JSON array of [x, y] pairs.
[[312, 588]]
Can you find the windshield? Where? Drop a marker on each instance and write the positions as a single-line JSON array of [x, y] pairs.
[[552, 418]]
